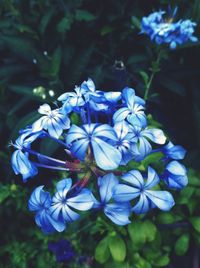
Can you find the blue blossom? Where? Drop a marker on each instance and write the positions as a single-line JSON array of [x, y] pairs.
[[106, 156], [123, 143], [55, 121], [141, 137], [137, 187], [133, 110], [63, 202], [117, 212], [172, 151], [175, 175], [20, 159], [87, 96], [99, 100], [40, 202], [165, 30], [72, 100], [63, 250]]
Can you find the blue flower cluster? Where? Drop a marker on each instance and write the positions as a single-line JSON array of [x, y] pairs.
[[112, 132], [164, 30]]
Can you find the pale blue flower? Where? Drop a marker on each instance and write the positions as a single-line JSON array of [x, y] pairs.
[[175, 175], [117, 212], [142, 147], [137, 187], [20, 158], [133, 110], [40, 202], [172, 151], [97, 136], [124, 143], [54, 121], [163, 29], [63, 202]]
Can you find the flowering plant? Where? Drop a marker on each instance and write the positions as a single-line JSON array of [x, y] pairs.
[[163, 30], [104, 149]]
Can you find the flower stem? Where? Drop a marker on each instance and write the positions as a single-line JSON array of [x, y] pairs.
[[45, 157], [49, 167], [154, 69]]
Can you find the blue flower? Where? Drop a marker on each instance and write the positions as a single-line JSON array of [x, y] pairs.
[[99, 100], [22, 165], [124, 143], [172, 151], [20, 159], [137, 187], [175, 175], [165, 30], [63, 250], [133, 110], [40, 202], [55, 121], [117, 212], [63, 202], [106, 156], [141, 137], [72, 100]]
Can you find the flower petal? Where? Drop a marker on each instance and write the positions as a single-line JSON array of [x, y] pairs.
[[134, 177], [106, 185], [128, 95], [155, 135], [124, 193], [82, 201], [106, 156], [152, 179], [121, 114], [162, 199], [142, 206], [75, 133], [118, 213]]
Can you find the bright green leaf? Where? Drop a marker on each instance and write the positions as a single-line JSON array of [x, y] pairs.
[[195, 221], [182, 244], [117, 248], [102, 252]]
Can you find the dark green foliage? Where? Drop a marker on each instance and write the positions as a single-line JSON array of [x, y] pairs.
[[48, 47]]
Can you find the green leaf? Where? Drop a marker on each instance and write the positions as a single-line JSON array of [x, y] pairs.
[[107, 29], [45, 20], [64, 24], [152, 158], [182, 244], [21, 46], [195, 221], [55, 62], [137, 58], [165, 218], [75, 119], [162, 261], [84, 15], [4, 192], [102, 252], [145, 77], [135, 22], [117, 248], [149, 230], [141, 232], [185, 195], [136, 233]]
